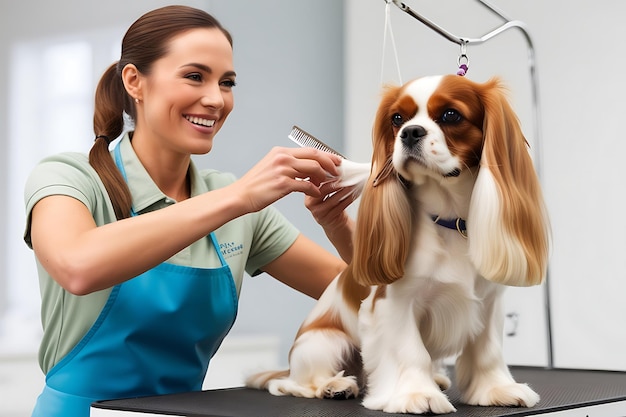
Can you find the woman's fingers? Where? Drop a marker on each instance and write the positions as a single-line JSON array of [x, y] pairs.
[[286, 170]]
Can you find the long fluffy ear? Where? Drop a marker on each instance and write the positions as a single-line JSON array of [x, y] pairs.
[[383, 224], [508, 226]]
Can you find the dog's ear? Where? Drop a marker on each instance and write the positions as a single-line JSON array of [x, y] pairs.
[[382, 235], [508, 227], [383, 224]]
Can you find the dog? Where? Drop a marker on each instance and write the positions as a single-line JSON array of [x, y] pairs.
[[451, 213]]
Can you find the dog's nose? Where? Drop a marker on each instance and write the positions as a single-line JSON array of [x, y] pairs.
[[411, 135]]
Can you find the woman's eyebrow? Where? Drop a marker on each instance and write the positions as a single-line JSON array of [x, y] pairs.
[[208, 69]]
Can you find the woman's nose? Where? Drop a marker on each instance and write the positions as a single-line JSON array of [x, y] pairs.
[[212, 97]]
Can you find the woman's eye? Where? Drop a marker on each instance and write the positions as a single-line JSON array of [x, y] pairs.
[[194, 76], [397, 120], [451, 116], [228, 83]]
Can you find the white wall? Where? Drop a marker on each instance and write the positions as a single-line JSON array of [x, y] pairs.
[[581, 86]]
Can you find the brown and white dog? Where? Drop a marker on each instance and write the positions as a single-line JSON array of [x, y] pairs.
[[422, 286]]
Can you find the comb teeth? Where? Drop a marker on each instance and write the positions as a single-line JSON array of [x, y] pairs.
[[306, 140]]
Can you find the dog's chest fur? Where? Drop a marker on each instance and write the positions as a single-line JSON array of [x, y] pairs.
[[441, 287]]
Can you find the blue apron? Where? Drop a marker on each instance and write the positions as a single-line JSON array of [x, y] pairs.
[[155, 335]]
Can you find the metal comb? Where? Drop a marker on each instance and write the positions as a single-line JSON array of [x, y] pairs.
[[306, 140]]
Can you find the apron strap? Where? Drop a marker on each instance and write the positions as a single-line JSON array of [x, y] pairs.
[[217, 249]]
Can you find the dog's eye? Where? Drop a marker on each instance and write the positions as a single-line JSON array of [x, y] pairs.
[[397, 120], [451, 116]]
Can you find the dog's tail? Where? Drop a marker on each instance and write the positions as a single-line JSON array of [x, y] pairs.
[[261, 380]]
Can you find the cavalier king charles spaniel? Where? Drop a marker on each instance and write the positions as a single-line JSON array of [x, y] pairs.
[[451, 213]]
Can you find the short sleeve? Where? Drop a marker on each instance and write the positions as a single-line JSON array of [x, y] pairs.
[[65, 174], [273, 235]]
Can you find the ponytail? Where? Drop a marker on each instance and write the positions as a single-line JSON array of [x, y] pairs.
[[108, 122]]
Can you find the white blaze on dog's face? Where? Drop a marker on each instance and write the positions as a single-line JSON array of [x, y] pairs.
[[437, 124]]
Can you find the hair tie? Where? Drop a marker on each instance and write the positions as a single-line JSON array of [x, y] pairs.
[[103, 137]]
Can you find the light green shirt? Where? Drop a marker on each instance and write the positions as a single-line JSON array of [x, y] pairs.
[[247, 243]]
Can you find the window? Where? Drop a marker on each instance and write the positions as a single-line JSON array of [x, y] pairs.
[[50, 101]]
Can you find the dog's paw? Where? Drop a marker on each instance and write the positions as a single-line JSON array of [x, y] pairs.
[[510, 395], [339, 387], [443, 381], [280, 387], [423, 402]]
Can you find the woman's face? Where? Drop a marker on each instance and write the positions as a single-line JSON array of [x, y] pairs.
[[187, 95]]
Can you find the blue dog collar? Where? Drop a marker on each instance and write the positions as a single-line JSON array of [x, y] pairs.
[[457, 224]]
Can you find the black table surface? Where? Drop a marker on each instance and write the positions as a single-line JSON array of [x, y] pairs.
[[559, 390]]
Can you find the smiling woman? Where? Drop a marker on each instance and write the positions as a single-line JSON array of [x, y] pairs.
[[131, 234], [181, 107]]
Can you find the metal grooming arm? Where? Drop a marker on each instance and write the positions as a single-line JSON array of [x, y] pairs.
[[463, 42]]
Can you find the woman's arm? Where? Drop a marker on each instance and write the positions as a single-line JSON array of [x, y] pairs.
[[84, 258], [306, 267]]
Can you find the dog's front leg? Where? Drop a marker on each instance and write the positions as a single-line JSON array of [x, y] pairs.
[[481, 373], [398, 368]]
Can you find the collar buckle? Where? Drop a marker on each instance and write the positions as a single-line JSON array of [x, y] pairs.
[[457, 224]]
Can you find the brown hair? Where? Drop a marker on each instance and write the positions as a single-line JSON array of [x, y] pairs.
[[145, 42]]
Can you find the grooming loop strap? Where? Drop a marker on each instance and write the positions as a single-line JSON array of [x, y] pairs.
[[389, 30], [463, 60]]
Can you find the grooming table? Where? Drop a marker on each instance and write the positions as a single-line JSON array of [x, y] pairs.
[[563, 393]]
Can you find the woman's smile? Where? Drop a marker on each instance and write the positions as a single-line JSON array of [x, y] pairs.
[[200, 121]]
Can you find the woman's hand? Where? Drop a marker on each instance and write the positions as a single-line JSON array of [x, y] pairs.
[[329, 211], [283, 171]]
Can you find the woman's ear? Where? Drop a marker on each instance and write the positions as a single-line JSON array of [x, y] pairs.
[[133, 81]]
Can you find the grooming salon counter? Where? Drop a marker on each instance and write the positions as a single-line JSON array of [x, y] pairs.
[[563, 393]]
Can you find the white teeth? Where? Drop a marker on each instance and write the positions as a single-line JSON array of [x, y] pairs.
[[200, 121]]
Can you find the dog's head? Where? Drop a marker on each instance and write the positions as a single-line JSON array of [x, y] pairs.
[[445, 127]]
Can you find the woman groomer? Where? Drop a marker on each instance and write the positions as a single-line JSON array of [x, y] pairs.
[[140, 255]]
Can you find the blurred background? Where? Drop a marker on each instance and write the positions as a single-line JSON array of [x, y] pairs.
[[320, 64]]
